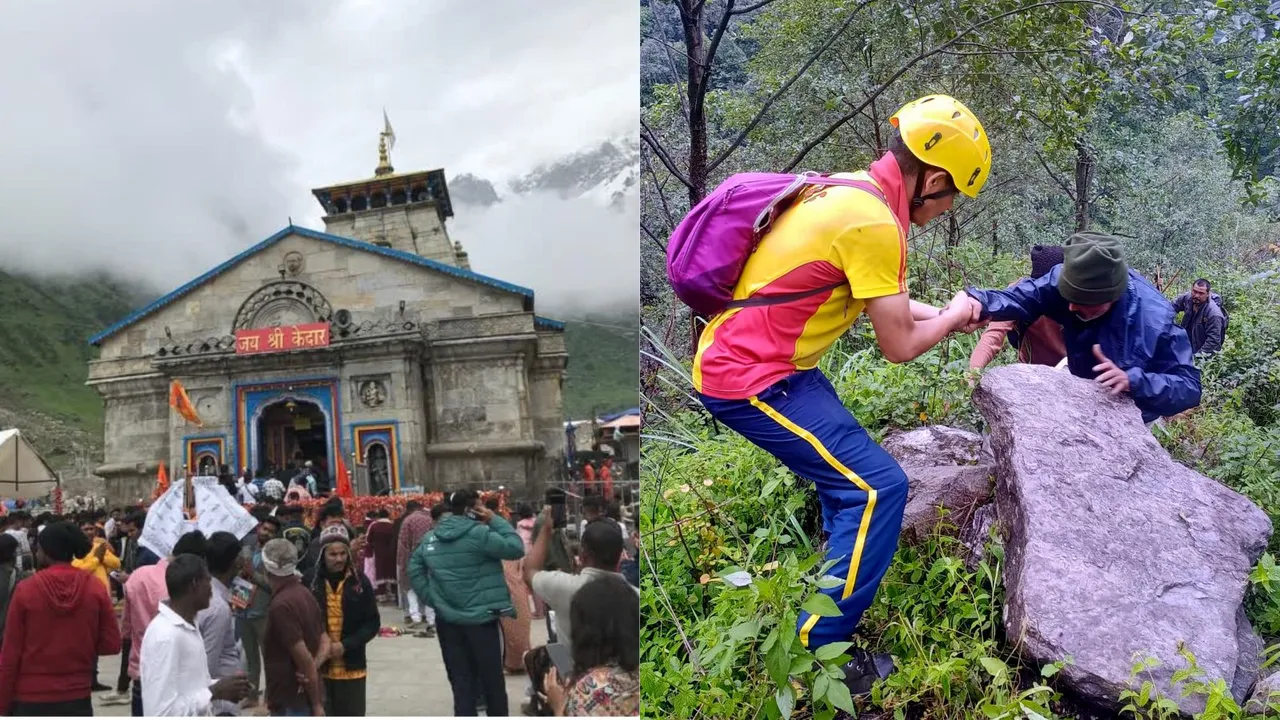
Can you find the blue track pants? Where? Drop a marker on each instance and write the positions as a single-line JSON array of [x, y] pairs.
[[801, 421]]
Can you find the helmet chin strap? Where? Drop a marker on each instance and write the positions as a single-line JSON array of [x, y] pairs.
[[918, 200]]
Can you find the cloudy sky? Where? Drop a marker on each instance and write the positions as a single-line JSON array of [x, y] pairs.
[[156, 139]]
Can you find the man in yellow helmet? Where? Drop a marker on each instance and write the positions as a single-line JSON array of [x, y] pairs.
[[756, 365]]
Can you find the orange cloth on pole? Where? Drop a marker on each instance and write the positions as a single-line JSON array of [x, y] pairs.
[[179, 401], [344, 480]]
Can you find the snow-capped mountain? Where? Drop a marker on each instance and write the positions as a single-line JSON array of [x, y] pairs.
[[605, 173]]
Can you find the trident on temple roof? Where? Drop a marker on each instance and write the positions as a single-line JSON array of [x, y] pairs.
[[386, 143]]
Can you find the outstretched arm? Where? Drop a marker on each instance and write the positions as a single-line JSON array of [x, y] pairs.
[[901, 337], [1024, 302]]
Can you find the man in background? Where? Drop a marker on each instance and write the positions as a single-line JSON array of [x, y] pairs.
[[416, 524], [1202, 317], [253, 625], [295, 637], [457, 569]]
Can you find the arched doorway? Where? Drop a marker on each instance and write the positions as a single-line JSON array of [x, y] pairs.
[[379, 463], [206, 465], [291, 432]]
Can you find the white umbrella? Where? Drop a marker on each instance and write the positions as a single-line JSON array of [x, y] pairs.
[[24, 475]]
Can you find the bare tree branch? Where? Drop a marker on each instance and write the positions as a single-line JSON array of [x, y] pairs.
[[764, 109], [808, 147], [652, 237], [962, 53], [1055, 177], [662, 196], [647, 135], [752, 8], [716, 37]]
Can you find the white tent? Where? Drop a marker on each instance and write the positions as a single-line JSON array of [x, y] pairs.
[[24, 475]]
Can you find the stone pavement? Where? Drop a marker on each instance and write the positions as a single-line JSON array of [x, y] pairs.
[[406, 675]]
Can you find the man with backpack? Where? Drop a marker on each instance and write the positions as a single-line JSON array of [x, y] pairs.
[[784, 265], [1203, 318]]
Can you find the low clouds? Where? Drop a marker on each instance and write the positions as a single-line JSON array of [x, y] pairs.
[[581, 257], [155, 139]]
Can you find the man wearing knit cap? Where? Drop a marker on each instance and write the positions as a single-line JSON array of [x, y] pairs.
[[1118, 328]]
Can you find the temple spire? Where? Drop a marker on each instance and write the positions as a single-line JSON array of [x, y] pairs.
[[386, 143]]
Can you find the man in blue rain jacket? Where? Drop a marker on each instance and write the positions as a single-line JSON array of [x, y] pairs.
[[1118, 328]]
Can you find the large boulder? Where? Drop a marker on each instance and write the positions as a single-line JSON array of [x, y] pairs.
[[945, 486], [1114, 551]]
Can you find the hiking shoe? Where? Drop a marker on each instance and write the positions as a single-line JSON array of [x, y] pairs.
[[864, 670]]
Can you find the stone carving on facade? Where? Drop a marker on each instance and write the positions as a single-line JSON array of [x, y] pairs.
[[293, 263], [373, 393], [283, 302]]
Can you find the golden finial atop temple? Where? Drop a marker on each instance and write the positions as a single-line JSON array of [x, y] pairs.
[[386, 143]]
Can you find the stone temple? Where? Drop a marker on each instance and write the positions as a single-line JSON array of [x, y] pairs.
[[373, 340]]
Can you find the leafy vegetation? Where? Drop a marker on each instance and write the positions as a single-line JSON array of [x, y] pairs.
[[1123, 118]]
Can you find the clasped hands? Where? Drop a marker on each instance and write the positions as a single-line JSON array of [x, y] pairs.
[[965, 313]]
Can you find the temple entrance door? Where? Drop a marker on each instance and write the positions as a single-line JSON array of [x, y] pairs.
[[379, 464], [207, 466], [291, 433]]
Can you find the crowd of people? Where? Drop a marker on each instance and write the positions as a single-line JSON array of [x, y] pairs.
[[279, 621]]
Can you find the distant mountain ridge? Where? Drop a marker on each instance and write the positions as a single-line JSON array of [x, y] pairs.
[[606, 173]]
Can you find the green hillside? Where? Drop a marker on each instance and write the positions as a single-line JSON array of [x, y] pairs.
[[604, 365], [45, 324]]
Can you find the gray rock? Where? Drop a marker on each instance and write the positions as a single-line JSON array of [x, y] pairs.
[[943, 493], [1265, 699], [1252, 653], [1114, 551], [934, 445], [977, 533]]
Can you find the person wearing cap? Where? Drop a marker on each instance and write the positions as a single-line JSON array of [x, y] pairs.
[[1118, 328], [833, 253], [295, 637], [349, 610], [1039, 343]]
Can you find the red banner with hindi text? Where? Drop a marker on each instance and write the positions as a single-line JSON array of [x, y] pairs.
[[282, 339]]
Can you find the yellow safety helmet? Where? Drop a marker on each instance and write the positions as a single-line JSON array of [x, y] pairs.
[[942, 132]]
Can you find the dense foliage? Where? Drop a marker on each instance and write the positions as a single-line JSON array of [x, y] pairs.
[[1150, 122]]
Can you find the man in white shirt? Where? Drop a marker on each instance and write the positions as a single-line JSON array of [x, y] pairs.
[[600, 554], [174, 671], [16, 526]]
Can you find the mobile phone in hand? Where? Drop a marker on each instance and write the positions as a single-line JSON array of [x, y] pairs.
[[560, 657]]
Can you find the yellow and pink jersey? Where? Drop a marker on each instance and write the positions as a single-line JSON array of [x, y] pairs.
[[830, 234]]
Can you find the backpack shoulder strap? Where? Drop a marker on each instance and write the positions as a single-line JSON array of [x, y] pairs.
[[765, 222]]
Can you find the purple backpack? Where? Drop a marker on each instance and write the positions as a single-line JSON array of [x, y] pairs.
[[709, 248]]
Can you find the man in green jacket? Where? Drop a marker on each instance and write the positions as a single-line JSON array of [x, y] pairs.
[[457, 568]]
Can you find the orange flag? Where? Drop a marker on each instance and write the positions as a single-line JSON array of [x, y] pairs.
[[344, 480], [162, 480], [179, 401]]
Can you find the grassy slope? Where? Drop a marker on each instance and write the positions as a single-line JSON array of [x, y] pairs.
[[44, 328], [44, 325], [604, 365]]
